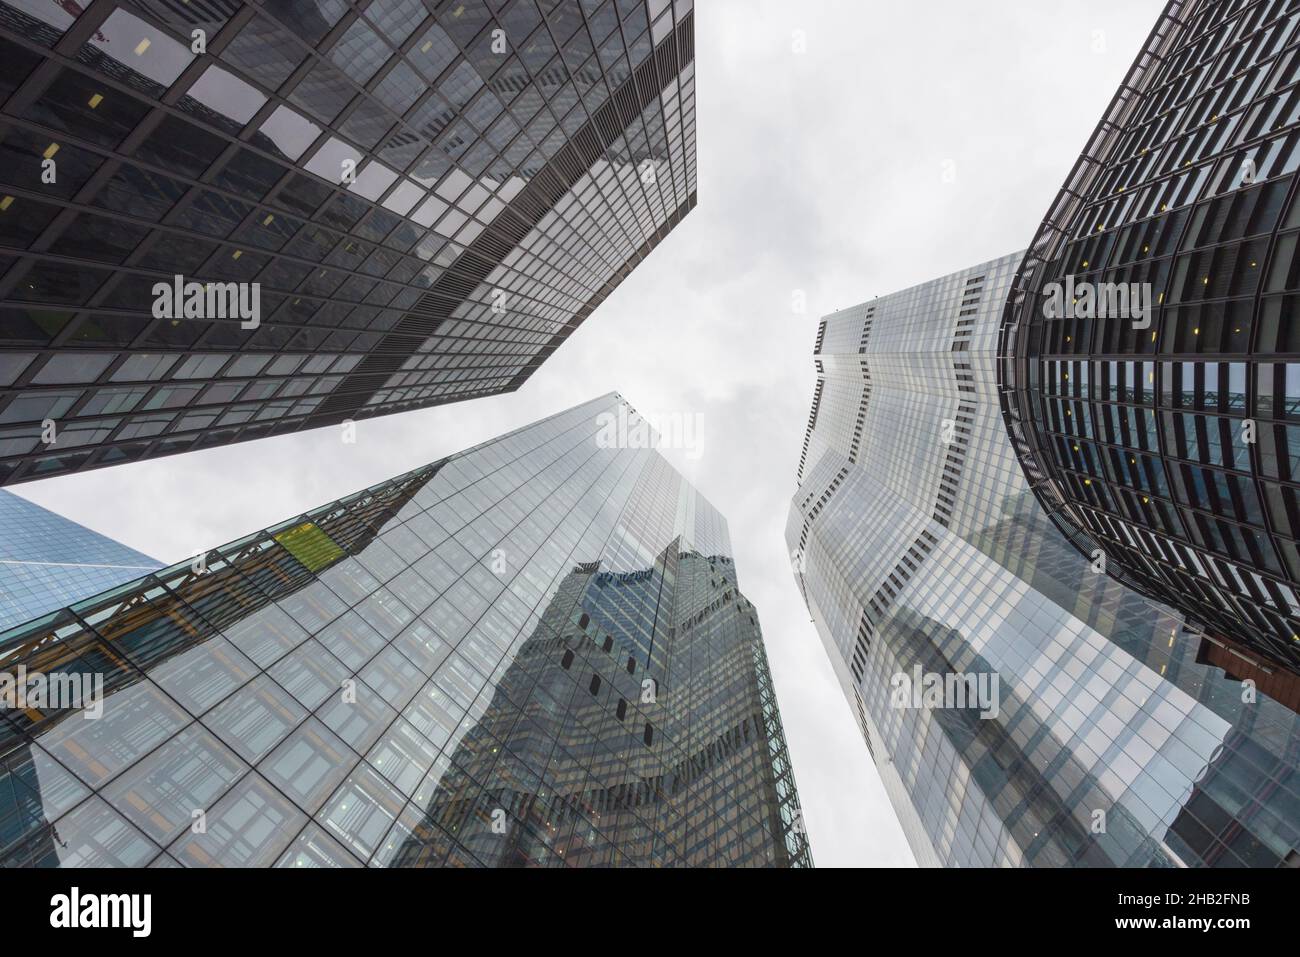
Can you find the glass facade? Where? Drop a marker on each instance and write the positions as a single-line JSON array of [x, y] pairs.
[[531, 653], [48, 561], [1164, 442], [430, 197], [1116, 739]]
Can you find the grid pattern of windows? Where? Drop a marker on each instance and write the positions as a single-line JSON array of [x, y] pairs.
[[47, 561], [533, 653], [1165, 441], [921, 545], [429, 197]]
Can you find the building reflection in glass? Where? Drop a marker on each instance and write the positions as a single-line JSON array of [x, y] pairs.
[[531, 653]]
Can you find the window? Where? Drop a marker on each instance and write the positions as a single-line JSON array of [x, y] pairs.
[[67, 368]]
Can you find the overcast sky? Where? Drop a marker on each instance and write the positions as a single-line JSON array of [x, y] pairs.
[[820, 172]]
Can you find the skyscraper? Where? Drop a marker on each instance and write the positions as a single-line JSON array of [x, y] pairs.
[[48, 561], [228, 220], [1110, 737], [1169, 442], [534, 652]]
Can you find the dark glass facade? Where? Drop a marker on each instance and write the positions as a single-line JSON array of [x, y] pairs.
[[531, 653], [48, 561], [429, 197], [1117, 739], [1168, 445]]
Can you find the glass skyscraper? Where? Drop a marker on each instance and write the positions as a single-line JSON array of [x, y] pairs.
[[1115, 737], [48, 561], [531, 653], [1170, 441], [426, 199]]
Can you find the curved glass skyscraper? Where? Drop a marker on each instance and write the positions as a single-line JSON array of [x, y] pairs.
[[1112, 739], [1150, 354]]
